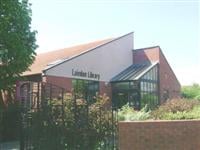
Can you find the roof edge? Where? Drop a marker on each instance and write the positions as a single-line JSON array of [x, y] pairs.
[[31, 74], [157, 46], [89, 50]]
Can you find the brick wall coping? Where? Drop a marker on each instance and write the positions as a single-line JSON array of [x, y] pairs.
[[158, 121]]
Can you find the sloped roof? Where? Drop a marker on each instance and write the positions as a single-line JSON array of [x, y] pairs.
[[133, 72], [43, 60]]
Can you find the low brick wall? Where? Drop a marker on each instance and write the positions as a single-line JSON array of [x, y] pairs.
[[159, 135]]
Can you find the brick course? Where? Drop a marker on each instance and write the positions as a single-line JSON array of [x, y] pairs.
[[160, 135]]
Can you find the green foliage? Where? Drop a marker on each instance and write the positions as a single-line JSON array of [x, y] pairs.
[[127, 113], [191, 92], [149, 100], [9, 123], [17, 41], [194, 113], [177, 109], [73, 126]]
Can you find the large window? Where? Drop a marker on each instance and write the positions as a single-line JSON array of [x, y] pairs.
[[125, 92], [149, 88], [85, 89], [137, 92]]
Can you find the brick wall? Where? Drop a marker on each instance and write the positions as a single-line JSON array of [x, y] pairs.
[[146, 55], [63, 82], [105, 88], [168, 80], [159, 135], [169, 85]]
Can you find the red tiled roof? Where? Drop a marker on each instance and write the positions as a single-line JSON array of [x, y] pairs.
[[43, 59]]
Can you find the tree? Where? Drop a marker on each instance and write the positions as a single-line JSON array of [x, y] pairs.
[[17, 42]]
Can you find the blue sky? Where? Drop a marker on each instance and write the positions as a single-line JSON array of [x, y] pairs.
[[174, 25]]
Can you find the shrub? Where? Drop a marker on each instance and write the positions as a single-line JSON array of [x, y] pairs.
[[79, 126], [9, 122], [193, 114], [127, 113], [191, 92], [176, 109]]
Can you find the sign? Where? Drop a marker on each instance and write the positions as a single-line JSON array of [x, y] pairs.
[[89, 74]]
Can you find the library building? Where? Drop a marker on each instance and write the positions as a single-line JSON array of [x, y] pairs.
[[112, 67]]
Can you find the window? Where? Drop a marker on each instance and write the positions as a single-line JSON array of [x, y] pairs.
[[149, 88], [126, 92], [85, 89], [137, 93]]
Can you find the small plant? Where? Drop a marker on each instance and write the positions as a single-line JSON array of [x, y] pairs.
[[127, 113]]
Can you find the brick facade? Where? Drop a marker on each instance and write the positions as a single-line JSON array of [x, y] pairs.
[[159, 135], [145, 55], [168, 82], [169, 85], [63, 82], [105, 88]]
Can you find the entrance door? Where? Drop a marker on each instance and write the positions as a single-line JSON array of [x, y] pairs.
[[134, 99], [121, 98]]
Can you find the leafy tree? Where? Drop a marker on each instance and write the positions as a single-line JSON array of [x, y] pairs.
[[17, 42], [192, 92]]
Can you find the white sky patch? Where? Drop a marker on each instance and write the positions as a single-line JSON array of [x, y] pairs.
[[188, 75]]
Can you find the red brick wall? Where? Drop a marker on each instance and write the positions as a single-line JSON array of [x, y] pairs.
[[151, 55], [159, 135], [105, 88], [63, 82], [168, 80]]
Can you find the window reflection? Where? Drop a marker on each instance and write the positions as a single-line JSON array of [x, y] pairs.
[[149, 88], [85, 89], [137, 93]]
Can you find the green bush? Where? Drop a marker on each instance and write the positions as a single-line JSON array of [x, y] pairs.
[[192, 114], [10, 122], [127, 113], [83, 127], [191, 92], [177, 109]]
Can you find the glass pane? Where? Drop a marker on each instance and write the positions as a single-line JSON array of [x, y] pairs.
[[121, 85], [85, 89], [148, 87]]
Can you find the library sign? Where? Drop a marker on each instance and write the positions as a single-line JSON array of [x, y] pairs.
[[89, 74]]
